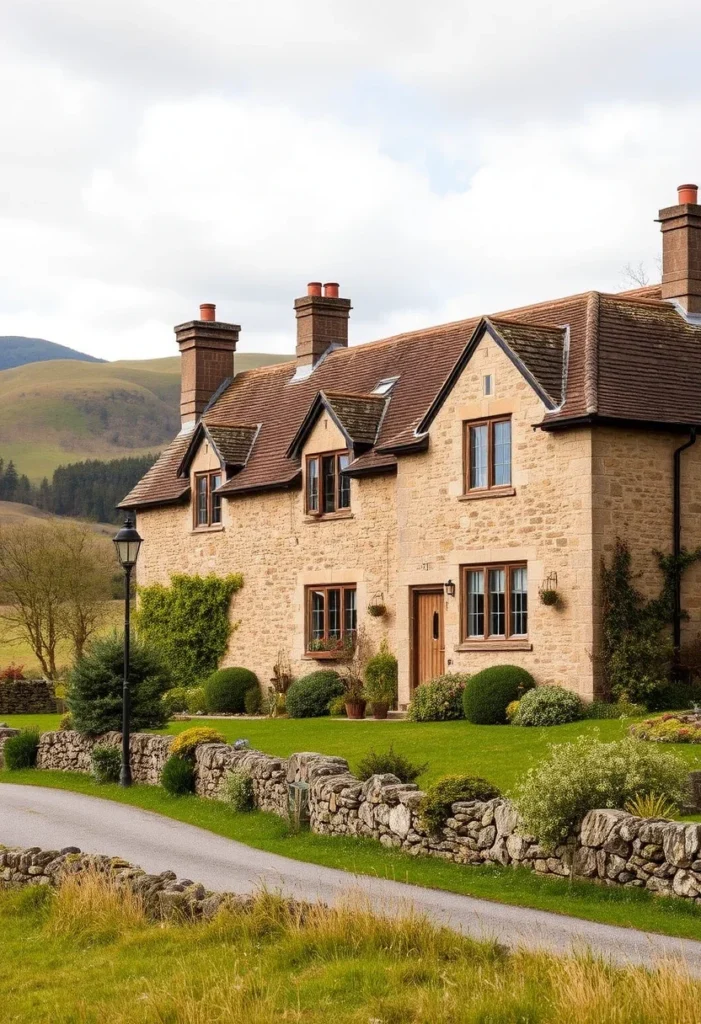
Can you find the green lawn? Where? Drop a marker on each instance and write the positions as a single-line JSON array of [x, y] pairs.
[[88, 955], [626, 907], [500, 753]]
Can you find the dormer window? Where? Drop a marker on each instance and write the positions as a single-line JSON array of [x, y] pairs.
[[208, 511], [328, 488]]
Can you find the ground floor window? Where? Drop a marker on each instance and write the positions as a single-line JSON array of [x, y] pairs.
[[495, 601], [332, 617]]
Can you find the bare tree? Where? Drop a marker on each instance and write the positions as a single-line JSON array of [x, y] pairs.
[[634, 274], [54, 585]]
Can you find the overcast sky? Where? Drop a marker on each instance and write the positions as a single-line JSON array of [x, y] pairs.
[[438, 160]]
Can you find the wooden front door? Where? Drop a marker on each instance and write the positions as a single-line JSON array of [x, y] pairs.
[[428, 643]]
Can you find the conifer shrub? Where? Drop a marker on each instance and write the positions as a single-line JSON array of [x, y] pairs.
[[489, 692], [21, 751], [178, 776], [94, 693], [309, 697], [436, 805], [225, 690]]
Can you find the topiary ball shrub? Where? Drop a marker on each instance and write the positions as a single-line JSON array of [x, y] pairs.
[[186, 743], [106, 763], [225, 690], [390, 763], [253, 700], [309, 697], [436, 806], [489, 692], [178, 776], [439, 700], [21, 751], [548, 705], [95, 687]]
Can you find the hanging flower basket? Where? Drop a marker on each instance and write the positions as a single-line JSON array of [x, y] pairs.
[[549, 597], [377, 607]]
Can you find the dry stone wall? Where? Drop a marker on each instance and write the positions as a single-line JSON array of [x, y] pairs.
[[27, 697], [612, 846]]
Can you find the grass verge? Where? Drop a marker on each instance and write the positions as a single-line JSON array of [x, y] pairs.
[[79, 956], [630, 908]]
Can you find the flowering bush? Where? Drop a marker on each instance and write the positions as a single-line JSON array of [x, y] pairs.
[[578, 777], [187, 742], [512, 710], [548, 705], [12, 672], [439, 700], [669, 728]]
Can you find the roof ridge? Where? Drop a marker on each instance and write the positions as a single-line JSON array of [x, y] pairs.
[[591, 353], [637, 300], [524, 323], [353, 394]]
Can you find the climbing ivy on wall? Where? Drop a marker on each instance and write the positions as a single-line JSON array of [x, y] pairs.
[[188, 622], [637, 649]]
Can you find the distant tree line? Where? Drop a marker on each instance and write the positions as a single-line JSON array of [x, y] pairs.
[[85, 490]]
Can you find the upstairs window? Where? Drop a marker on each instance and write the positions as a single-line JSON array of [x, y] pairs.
[[328, 488], [495, 602], [207, 503], [488, 455], [332, 618]]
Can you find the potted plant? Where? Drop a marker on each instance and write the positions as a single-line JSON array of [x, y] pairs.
[[381, 681], [354, 658], [354, 697]]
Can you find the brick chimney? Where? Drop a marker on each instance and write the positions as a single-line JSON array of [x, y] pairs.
[[322, 321], [681, 249], [207, 349]]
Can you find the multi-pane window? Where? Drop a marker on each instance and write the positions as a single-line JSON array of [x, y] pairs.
[[328, 488], [207, 501], [496, 601], [488, 450], [332, 617]]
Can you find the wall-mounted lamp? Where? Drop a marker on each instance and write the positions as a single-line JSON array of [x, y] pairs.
[[449, 589]]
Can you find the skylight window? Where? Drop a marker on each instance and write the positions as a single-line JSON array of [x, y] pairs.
[[385, 386]]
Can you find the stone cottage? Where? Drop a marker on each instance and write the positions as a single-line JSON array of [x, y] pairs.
[[448, 475]]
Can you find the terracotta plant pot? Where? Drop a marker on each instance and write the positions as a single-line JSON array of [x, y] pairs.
[[355, 709], [380, 710]]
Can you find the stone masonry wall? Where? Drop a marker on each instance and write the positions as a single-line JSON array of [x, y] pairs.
[[27, 697], [612, 846]]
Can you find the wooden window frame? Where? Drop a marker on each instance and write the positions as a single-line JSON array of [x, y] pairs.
[[489, 423], [487, 637], [209, 475], [340, 650], [320, 512]]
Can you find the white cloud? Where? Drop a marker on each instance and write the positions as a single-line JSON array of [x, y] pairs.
[[155, 155]]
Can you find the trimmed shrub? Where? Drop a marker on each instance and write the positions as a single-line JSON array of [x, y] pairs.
[[238, 790], [253, 700], [436, 805], [175, 700], [186, 743], [548, 705], [106, 763], [178, 776], [439, 700], [489, 692], [381, 674], [600, 709], [196, 700], [389, 763], [309, 696], [21, 751], [95, 687], [578, 777], [225, 690]]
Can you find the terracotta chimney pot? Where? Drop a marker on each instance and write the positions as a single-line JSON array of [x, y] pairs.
[[314, 288], [688, 193], [331, 290], [208, 311]]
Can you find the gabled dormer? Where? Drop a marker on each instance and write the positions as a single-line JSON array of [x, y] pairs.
[[215, 453]]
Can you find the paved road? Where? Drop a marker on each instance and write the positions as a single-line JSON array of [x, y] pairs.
[[52, 819]]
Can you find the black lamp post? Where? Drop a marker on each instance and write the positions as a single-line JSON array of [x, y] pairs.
[[127, 542]]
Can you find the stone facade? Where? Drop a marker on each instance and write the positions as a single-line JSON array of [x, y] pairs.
[[27, 697], [612, 846], [415, 528]]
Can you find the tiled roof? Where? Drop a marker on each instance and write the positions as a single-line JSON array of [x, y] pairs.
[[628, 356], [357, 416], [162, 485]]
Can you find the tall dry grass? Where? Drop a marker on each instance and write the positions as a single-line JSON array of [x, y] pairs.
[[88, 905]]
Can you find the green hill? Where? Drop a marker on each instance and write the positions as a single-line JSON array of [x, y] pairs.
[[67, 410], [16, 351]]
